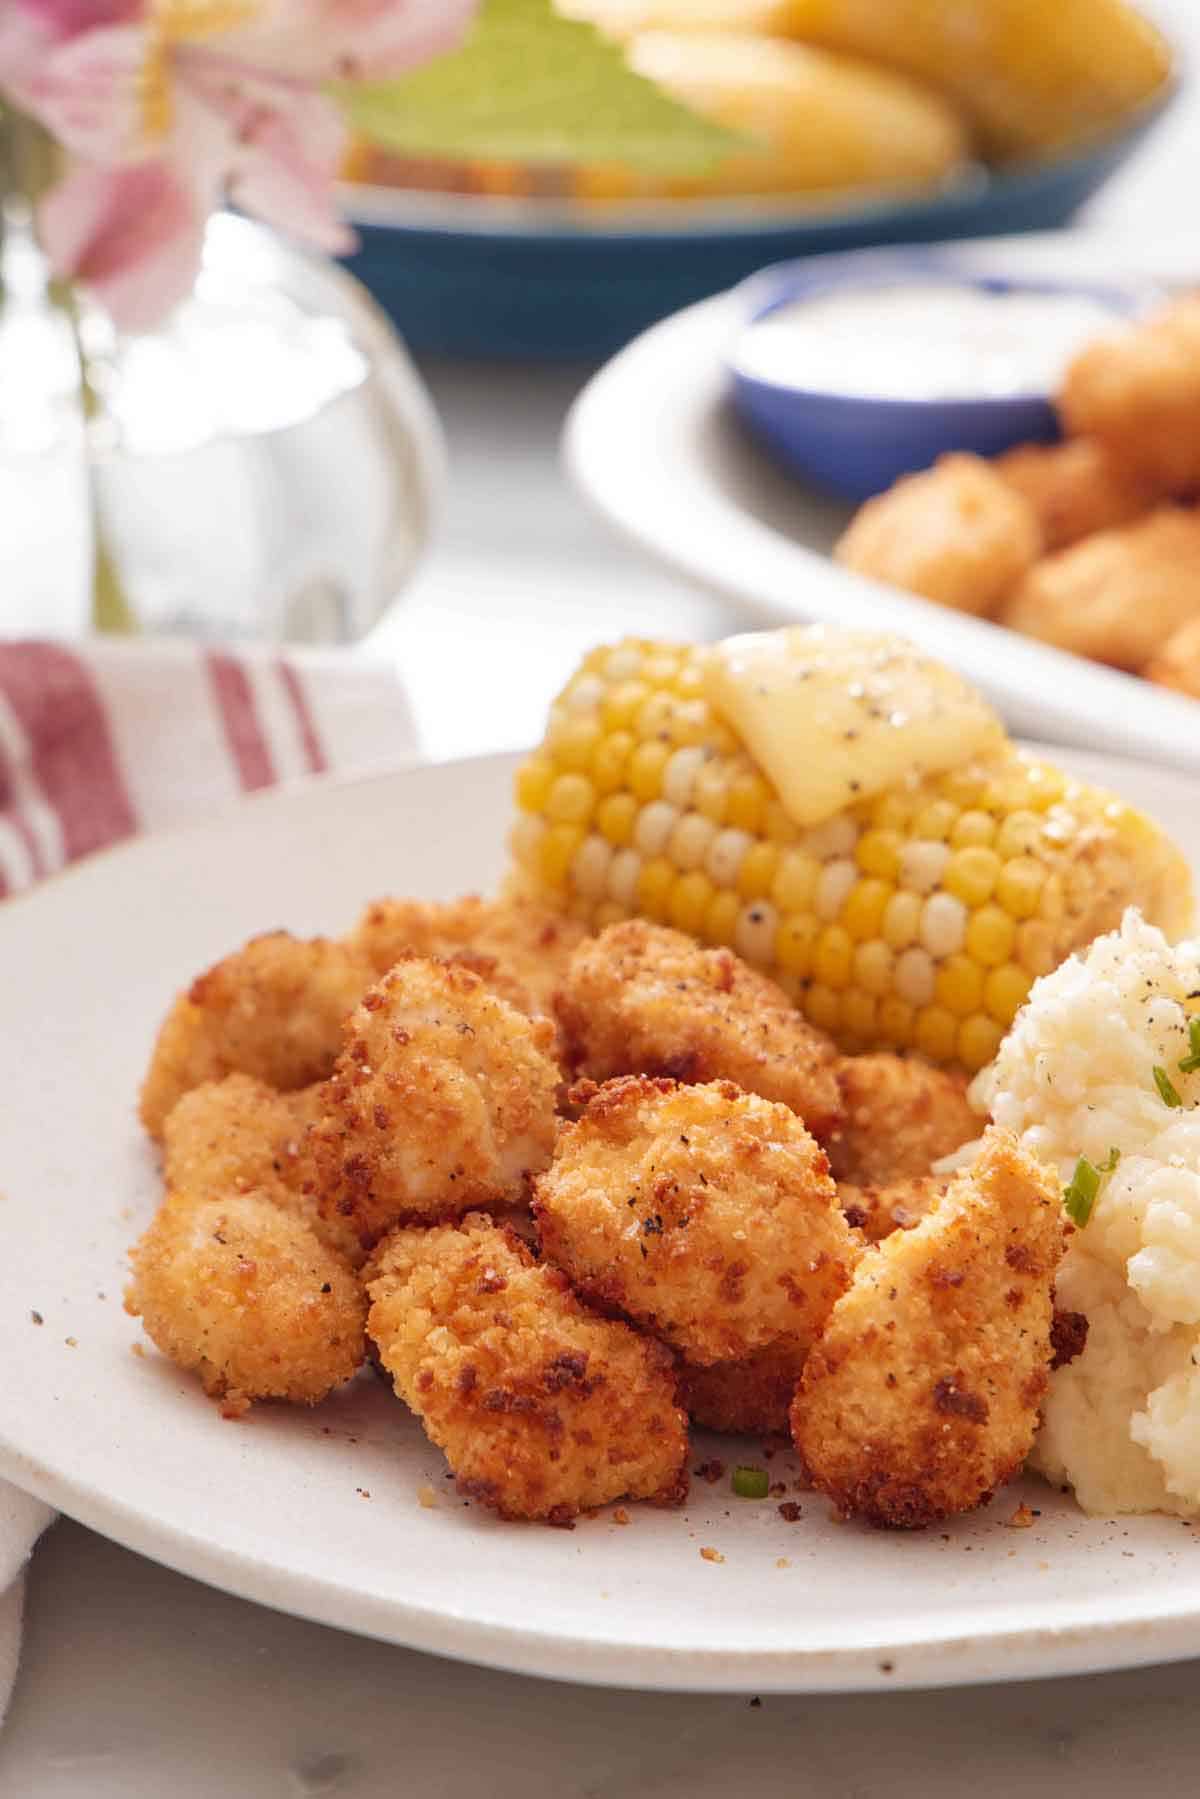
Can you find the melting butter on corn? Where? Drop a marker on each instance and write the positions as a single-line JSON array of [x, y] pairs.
[[831, 717]]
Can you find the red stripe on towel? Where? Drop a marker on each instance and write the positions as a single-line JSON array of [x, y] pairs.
[[239, 715]]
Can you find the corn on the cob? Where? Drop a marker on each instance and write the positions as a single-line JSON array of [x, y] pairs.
[[917, 918]]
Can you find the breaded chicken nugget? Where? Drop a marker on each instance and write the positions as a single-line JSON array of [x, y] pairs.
[[957, 533], [900, 1116], [238, 1134], [1138, 390], [705, 1214], [642, 999], [542, 1408], [1076, 488], [1120, 595], [248, 1297], [273, 1009], [750, 1397], [443, 1100], [878, 1211], [1178, 663], [520, 949], [923, 1394]]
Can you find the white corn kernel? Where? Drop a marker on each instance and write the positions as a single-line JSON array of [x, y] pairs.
[[836, 837], [653, 827], [623, 872], [691, 840], [679, 776], [726, 854], [754, 932], [623, 663], [525, 838], [914, 976], [943, 924], [589, 870], [834, 884], [922, 865], [586, 694]]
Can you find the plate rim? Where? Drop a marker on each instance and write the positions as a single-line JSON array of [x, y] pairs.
[[1007, 1652], [1045, 693]]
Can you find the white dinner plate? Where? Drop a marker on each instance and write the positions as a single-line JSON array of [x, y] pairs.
[[653, 443], [317, 1512]]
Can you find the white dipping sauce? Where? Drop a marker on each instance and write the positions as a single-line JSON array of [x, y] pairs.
[[923, 341]]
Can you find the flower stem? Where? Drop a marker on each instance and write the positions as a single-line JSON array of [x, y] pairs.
[[111, 610]]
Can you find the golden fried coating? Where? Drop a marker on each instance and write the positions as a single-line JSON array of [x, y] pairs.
[[750, 1397], [957, 533], [642, 999], [542, 1408], [1138, 390], [1076, 488], [248, 1297], [273, 1009], [519, 948], [901, 1115], [923, 1394], [443, 1100], [898, 1206], [1120, 595], [1178, 663], [237, 1134], [705, 1214]]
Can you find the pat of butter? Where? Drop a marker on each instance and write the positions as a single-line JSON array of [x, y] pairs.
[[832, 717]]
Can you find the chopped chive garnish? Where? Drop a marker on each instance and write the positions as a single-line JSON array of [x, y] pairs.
[[1167, 1091], [750, 1483], [1080, 1193], [1191, 1062]]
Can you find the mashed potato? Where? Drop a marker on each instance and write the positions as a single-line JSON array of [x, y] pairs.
[[1076, 1077]]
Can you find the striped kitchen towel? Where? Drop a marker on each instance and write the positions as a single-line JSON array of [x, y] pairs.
[[103, 739]]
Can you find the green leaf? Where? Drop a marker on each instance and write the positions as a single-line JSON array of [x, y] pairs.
[[530, 86]]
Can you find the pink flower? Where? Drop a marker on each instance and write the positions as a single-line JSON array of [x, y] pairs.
[[167, 106]]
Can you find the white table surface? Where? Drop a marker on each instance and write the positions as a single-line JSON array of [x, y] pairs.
[[137, 1683]]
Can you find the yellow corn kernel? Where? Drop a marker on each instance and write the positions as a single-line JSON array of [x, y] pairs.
[[874, 968], [689, 902], [570, 800], [958, 985], [622, 704], [991, 935], [977, 1042], [605, 913], [935, 821], [748, 796], [573, 743], [902, 919], [878, 853], [1046, 785], [720, 922], [1034, 947], [821, 1007], [864, 907], [557, 851], [710, 796], [646, 767], [859, 1016], [1005, 991], [971, 874], [833, 954], [653, 719], [974, 827], [795, 881], [1019, 886], [794, 941], [892, 812], [897, 1022], [688, 681], [777, 825], [534, 781], [611, 759], [936, 1033], [660, 669], [616, 817], [757, 873], [961, 786], [1017, 835], [654, 885], [1052, 903]]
